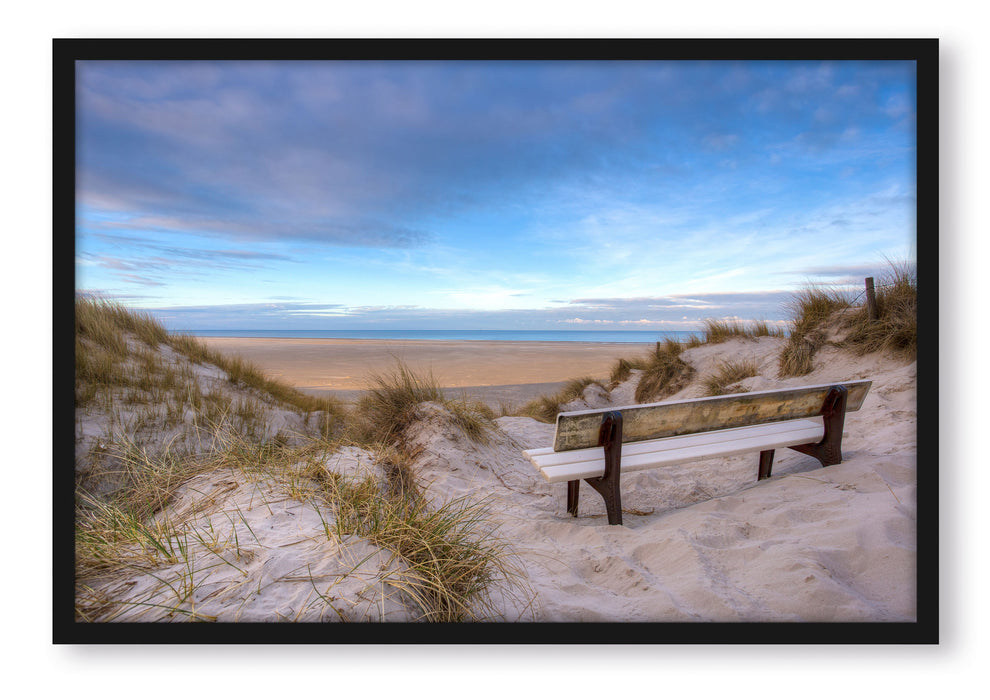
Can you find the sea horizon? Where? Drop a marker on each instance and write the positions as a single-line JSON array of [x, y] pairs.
[[573, 336]]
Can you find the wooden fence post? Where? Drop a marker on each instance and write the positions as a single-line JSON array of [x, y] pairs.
[[871, 300]]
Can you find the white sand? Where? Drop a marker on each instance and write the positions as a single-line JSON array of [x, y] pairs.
[[809, 544], [701, 542], [261, 555]]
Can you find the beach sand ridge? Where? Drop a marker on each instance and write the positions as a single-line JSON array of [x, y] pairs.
[[700, 542]]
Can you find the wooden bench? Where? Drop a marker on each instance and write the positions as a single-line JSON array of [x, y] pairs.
[[589, 444]]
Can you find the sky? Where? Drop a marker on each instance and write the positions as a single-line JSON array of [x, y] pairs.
[[573, 195]]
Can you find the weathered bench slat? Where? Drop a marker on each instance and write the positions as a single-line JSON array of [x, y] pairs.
[[590, 463], [579, 429]]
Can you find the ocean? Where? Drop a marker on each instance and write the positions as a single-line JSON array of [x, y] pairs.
[[569, 336]]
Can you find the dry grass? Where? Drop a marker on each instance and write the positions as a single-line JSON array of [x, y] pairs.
[[122, 356], [728, 373], [811, 310], [105, 322], [665, 373], [622, 369], [815, 305], [454, 559], [115, 507], [105, 344], [390, 406], [798, 356], [716, 331], [763, 329], [546, 408], [896, 329], [815, 309]]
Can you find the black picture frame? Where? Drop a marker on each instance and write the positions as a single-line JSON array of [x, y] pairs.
[[66, 52]]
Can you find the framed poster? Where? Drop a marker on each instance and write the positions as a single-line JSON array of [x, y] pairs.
[[323, 295]]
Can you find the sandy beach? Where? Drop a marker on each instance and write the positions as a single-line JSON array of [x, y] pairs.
[[699, 542], [491, 371]]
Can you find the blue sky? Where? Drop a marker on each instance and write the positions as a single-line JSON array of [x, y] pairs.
[[471, 195]]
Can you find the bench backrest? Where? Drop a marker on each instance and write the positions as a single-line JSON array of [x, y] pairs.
[[578, 430]]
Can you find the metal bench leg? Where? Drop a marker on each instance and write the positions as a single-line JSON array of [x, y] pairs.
[[609, 437], [829, 450], [766, 465], [572, 496]]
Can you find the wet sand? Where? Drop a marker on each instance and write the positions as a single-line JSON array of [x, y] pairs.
[[493, 371]]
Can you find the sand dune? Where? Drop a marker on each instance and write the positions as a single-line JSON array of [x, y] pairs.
[[700, 542], [704, 541]]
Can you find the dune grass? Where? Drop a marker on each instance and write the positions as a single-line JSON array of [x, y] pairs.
[[109, 337], [105, 322], [115, 507], [718, 331], [728, 373], [815, 305], [798, 356], [896, 329], [811, 310], [390, 406], [665, 373], [763, 329], [545, 408], [454, 558], [623, 367], [245, 374], [123, 356], [815, 308]]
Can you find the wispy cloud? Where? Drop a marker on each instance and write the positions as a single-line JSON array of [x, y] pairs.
[[408, 190], [842, 271]]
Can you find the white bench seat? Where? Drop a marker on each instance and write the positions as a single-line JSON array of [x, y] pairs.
[[648, 454]]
